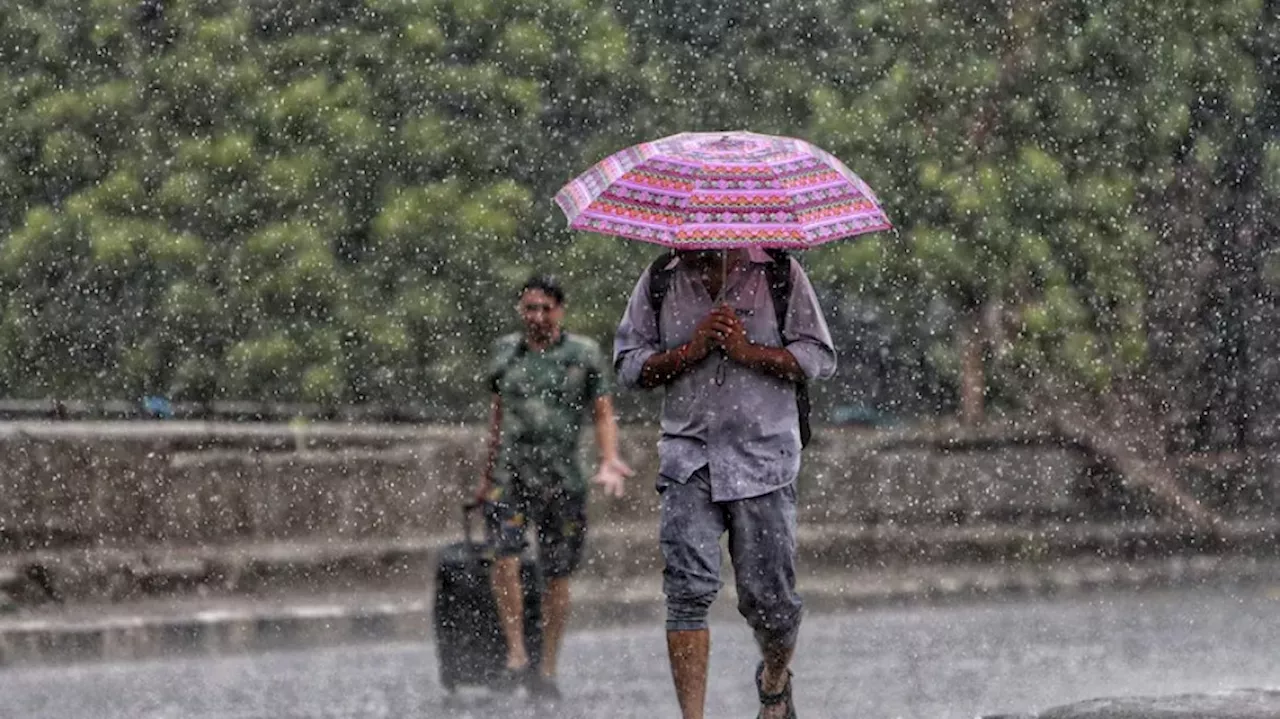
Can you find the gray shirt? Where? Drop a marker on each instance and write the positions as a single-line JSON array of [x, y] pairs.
[[740, 422]]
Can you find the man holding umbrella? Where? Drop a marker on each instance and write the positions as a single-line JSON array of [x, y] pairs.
[[732, 332], [730, 449]]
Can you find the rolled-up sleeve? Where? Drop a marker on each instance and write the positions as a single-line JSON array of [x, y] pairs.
[[637, 337], [805, 333]]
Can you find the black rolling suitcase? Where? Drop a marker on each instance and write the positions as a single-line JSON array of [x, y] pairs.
[[469, 643]]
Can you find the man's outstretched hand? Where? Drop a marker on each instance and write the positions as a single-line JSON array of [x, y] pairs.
[[612, 477]]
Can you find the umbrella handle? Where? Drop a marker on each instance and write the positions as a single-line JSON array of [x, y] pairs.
[[724, 274]]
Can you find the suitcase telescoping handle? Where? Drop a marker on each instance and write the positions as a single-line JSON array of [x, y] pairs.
[[469, 509]]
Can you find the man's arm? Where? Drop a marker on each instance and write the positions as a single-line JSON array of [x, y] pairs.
[[612, 469], [807, 352], [636, 339], [495, 440], [639, 358], [606, 429], [664, 367], [805, 333]]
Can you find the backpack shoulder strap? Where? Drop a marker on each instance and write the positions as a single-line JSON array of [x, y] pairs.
[[659, 282], [779, 275]]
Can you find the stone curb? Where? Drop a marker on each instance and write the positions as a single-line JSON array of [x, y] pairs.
[[159, 629], [131, 574], [1231, 704]]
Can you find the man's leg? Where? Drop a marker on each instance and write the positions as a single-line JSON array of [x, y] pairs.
[[509, 598], [688, 651], [690, 531], [555, 615], [562, 527], [762, 544], [774, 678], [505, 525]]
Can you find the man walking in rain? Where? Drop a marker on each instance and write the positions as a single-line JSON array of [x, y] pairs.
[[544, 382], [704, 325]]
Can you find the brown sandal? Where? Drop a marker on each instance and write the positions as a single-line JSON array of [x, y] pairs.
[[770, 700]]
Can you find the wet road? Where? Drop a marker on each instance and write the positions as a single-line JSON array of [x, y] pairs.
[[957, 661]]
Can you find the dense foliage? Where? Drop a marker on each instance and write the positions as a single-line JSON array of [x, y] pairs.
[[334, 201]]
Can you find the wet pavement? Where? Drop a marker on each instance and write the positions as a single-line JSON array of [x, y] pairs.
[[947, 661]]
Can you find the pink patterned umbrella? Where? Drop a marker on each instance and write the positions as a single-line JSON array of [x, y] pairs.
[[721, 190]]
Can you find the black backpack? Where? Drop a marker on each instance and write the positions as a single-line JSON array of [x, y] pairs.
[[779, 274]]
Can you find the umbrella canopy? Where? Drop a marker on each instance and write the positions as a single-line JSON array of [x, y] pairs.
[[722, 190]]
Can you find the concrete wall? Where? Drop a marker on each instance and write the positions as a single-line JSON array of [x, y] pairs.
[[116, 484], [120, 483]]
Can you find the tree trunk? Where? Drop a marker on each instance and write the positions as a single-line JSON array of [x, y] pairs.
[[973, 384], [1127, 436]]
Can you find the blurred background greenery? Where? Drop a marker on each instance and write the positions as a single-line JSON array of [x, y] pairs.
[[334, 202]]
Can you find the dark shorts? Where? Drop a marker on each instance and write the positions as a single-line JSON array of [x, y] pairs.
[[762, 548], [558, 517]]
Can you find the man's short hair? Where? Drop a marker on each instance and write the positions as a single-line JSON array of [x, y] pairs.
[[547, 284]]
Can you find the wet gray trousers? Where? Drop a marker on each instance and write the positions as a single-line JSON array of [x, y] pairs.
[[762, 548]]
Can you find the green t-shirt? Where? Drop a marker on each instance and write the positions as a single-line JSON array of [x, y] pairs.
[[545, 397]]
